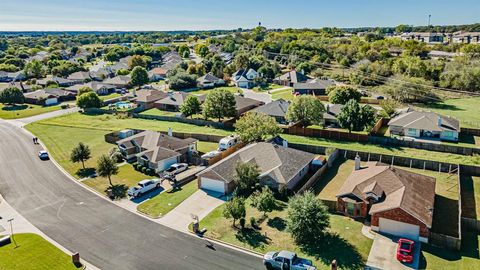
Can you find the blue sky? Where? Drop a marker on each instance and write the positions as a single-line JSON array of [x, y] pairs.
[[86, 15]]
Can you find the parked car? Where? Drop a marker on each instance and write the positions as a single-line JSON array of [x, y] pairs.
[[211, 154], [43, 155], [176, 168], [143, 187], [405, 250], [286, 260]]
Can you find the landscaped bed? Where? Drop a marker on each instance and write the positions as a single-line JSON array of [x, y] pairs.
[[25, 110], [34, 252]]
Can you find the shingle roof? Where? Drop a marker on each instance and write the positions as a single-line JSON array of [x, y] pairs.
[[177, 98], [80, 75], [150, 95], [293, 77], [243, 102], [118, 80], [314, 84], [208, 78], [95, 86], [276, 108], [426, 121]]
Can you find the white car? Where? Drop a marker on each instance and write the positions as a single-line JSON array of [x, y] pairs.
[[143, 187], [211, 154], [43, 155], [176, 168]]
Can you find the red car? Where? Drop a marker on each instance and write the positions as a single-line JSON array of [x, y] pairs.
[[405, 250]]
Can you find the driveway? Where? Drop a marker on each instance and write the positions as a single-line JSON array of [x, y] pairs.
[[27, 120], [260, 96], [383, 254], [201, 203]]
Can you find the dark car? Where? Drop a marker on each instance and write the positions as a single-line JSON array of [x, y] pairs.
[[43, 155]]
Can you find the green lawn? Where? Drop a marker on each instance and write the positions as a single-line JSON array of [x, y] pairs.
[[270, 86], [157, 112], [205, 147], [333, 179], [344, 242], [25, 110], [283, 94], [231, 89], [33, 252], [467, 110], [109, 96], [161, 204]]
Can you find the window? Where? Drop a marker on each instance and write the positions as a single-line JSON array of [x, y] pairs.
[[412, 132]]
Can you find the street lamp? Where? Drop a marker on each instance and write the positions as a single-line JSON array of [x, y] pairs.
[[11, 231]]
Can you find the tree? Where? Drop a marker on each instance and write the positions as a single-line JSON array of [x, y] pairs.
[[355, 117], [191, 106], [308, 218], [235, 209], [342, 94], [183, 51], [307, 109], [389, 107], [254, 127], [264, 201], [84, 89], [137, 61], [182, 80], [12, 95], [80, 153], [246, 176], [89, 100], [139, 76], [106, 167], [219, 103], [34, 69]]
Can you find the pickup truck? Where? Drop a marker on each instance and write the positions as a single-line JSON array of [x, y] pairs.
[[143, 187], [286, 260]]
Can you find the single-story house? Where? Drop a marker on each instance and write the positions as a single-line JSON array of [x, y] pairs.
[[425, 125], [466, 37], [121, 81], [157, 74], [155, 150], [47, 97], [80, 77], [12, 76], [397, 202], [62, 82], [315, 87], [290, 78], [276, 109], [330, 115], [20, 85], [279, 166], [244, 78], [117, 66], [101, 74], [145, 99], [209, 81], [97, 87], [174, 100], [243, 104], [427, 37]]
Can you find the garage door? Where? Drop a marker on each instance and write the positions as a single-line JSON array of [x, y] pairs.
[[212, 185], [399, 229]]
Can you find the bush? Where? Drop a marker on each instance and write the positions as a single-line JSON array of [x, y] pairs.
[[135, 165], [144, 169], [253, 222], [242, 223], [64, 106]]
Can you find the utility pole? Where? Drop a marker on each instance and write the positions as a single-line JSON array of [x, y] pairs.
[[429, 17], [11, 231]]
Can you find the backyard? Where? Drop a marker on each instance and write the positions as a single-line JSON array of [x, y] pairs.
[[464, 109], [25, 110], [470, 197], [231, 89], [34, 252]]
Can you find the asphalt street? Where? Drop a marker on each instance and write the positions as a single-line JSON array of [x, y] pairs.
[[106, 235]]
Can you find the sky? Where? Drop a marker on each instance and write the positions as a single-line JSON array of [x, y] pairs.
[[163, 15]]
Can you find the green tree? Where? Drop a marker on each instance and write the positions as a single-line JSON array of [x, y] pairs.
[[355, 117], [191, 106], [342, 94], [84, 89], [246, 176], [389, 107], [12, 95], [218, 104], [80, 153], [182, 80], [106, 167], [307, 109], [89, 100], [264, 201], [234, 209], [254, 127], [308, 218], [34, 69], [137, 61], [139, 76], [183, 51]]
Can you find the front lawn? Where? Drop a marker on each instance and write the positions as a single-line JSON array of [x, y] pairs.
[[286, 94], [25, 110], [231, 89], [270, 86], [34, 252], [163, 203], [345, 241]]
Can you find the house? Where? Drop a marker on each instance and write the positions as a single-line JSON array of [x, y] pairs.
[[226, 57], [20, 85], [157, 74], [12, 76], [101, 74], [466, 37], [62, 82], [425, 125], [244, 78], [397, 202], [155, 150], [243, 104], [209, 81], [290, 78], [317, 87], [427, 37], [121, 81], [442, 55], [47, 97], [279, 166], [97, 87], [174, 100], [80, 77], [330, 115], [145, 99], [276, 109], [118, 66]]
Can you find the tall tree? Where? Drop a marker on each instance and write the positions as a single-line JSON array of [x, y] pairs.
[[34, 69], [12, 95], [246, 176], [342, 94], [80, 153], [264, 201], [139, 76], [106, 167], [234, 209], [219, 103], [307, 109], [191, 106], [89, 100], [254, 126], [84, 89], [137, 61], [355, 117]]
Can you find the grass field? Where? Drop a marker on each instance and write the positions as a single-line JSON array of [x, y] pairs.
[[231, 89], [467, 110], [344, 236], [163, 203], [25, 110], [270, 86], [33, 253], [109, 96], [157, 112], [283, 94]]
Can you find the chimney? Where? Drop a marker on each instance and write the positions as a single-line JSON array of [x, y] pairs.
[[285, 143], [170, 132], [358, 162], [439, 121]]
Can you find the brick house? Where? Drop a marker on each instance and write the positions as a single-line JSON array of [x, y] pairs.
[[396, 201]]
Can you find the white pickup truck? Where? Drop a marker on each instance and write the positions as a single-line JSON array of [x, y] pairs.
[[286, 260], [143, 187]]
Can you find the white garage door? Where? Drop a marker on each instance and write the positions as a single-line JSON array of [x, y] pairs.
[[213, 185], [51, 101], [399, 229]]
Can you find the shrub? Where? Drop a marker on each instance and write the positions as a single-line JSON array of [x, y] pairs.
[[242, 223], [144, 169], [253, 222]]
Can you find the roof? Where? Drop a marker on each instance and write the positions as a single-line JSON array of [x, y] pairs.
[[149, 95], [332, 110], [277, 162], [426, 121], [286, 254], [118, 80], [177, 98], [208, 78], [243, 102], [293, 77], [276, 108], [313, 84], [159, 154], [47, 93], [413, 193], [158, 71], [79, 75], [95, 86]]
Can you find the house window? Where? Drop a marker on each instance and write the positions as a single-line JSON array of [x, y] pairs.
[[412, 132], [448, 134]]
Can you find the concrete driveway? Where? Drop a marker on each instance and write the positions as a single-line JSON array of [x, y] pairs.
[[201, 203], [383, 254]]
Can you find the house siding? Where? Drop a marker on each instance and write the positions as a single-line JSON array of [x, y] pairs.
[[360, 210], [398, 214]]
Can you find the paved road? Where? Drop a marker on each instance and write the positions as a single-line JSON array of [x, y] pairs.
[[104, 234]]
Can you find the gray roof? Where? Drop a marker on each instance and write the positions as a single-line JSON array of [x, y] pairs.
[[149, 95], [332, 111], [276, 162], [314, 84], [80, 75], [293, 77], [277, 108], [243, 102], [429, 121], [95, 86], [177, 98], [208, 78], [118, 80]]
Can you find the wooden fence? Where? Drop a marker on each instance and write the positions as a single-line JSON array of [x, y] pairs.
[[326, 133], [224, 154], [313, 179], [470, 131], [378, 126]]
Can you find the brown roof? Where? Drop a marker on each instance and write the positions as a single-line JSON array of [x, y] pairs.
[[177, 98], [159, 71], [243, 102], [414, 193], [150, 95]]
